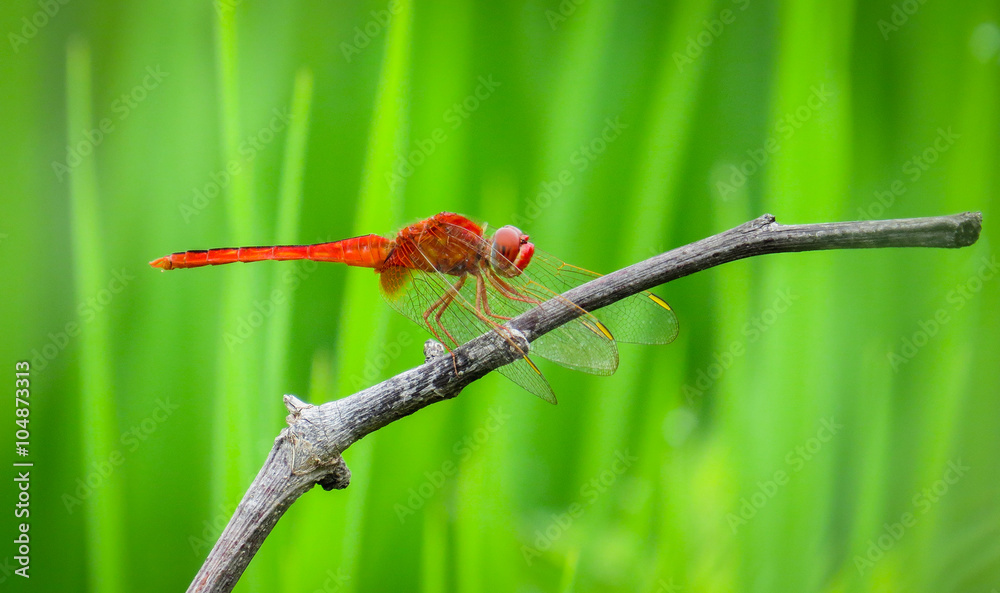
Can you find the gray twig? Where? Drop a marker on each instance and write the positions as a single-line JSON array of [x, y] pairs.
[[308, 452]]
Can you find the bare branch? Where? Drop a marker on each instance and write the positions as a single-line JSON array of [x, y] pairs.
[[308, 452]]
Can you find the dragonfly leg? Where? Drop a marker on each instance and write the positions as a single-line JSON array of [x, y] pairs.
[[483, 310], [449, 299], [430, 327], [480, 292], [482, 300], [440, 305], [507, 290]]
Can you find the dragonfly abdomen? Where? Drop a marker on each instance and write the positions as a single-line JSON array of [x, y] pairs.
[[368, 251]]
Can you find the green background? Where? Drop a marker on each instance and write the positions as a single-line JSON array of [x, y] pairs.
[[167, 395]]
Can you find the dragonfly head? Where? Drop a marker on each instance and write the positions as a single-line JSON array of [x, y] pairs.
[[511, 251]]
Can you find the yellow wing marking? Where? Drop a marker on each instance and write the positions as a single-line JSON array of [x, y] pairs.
[[659, 301], [601, 329], [605, 331]]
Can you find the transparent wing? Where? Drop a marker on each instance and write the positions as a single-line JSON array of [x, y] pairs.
[[415, 293], [583, 344], [643, 318]]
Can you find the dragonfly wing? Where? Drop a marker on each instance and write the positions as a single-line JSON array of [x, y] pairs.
[[642, 318], [413, 293], [583, 344], [530, 377]]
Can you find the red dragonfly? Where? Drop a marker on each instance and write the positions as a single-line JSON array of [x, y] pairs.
[[449, 276]]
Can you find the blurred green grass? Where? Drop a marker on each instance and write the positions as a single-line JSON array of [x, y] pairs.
[[204, 155]]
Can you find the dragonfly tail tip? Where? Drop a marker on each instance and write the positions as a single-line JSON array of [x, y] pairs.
[[163, 263]]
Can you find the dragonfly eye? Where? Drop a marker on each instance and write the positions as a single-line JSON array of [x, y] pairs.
[[511, 251]]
